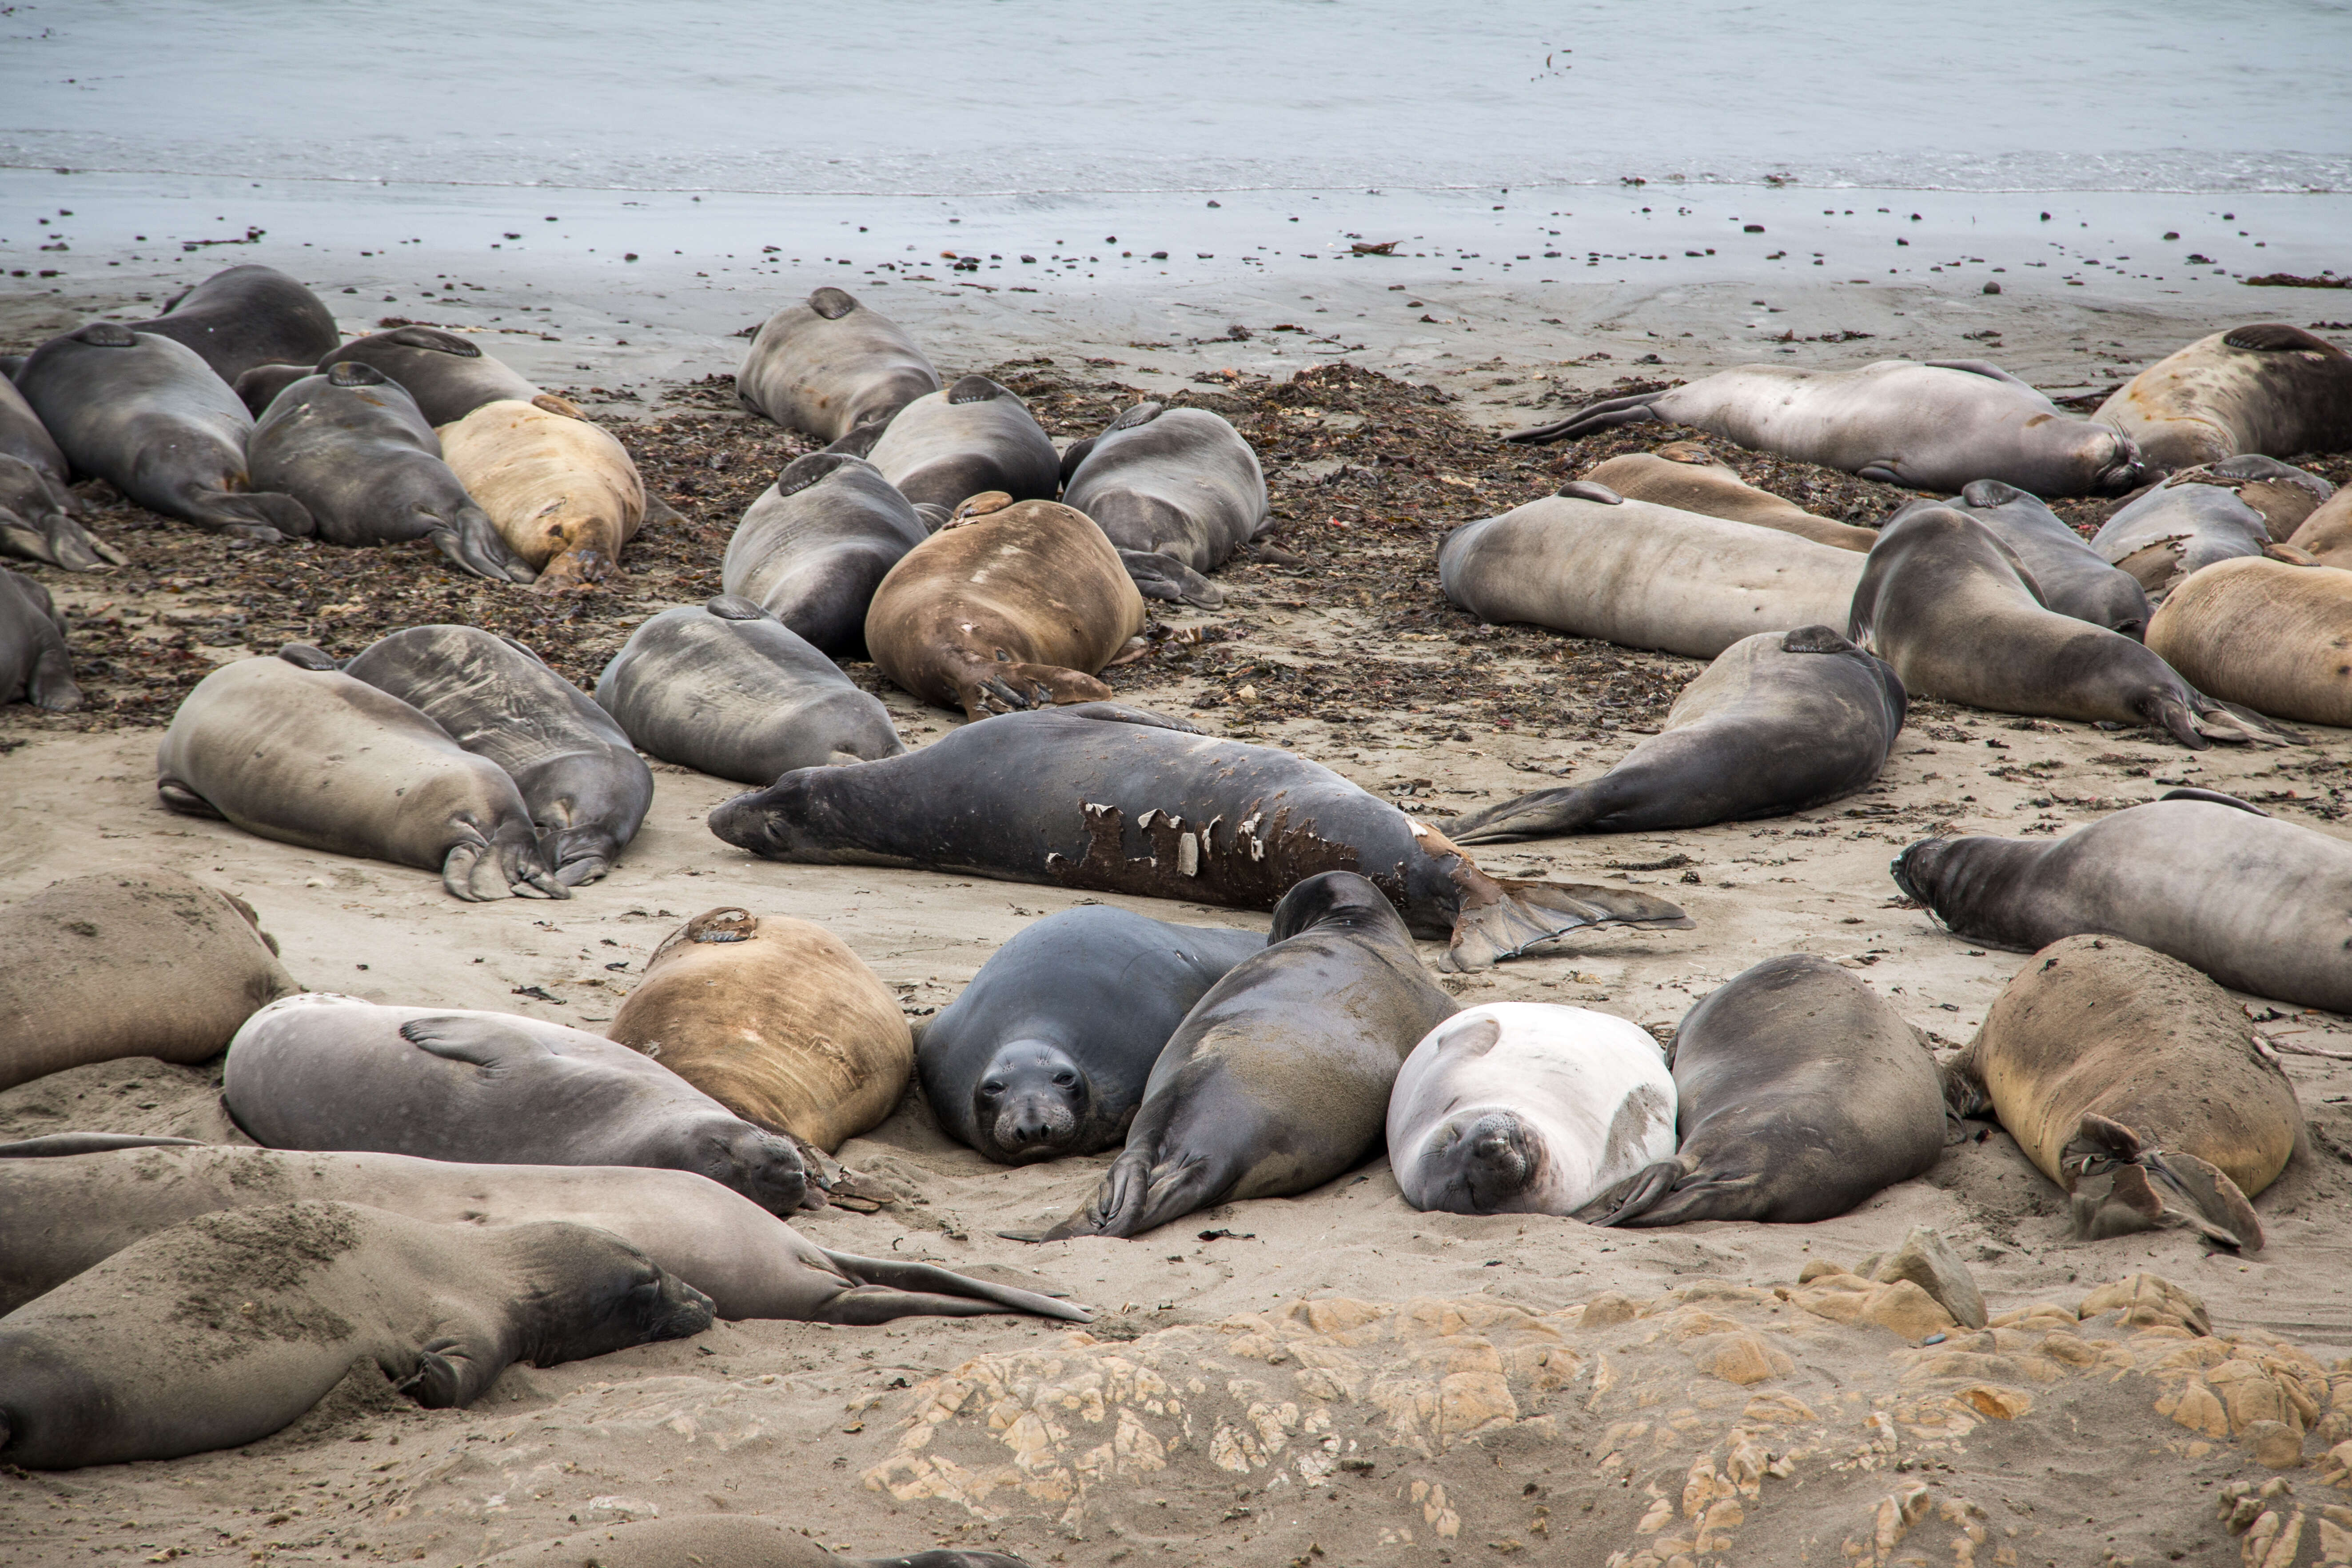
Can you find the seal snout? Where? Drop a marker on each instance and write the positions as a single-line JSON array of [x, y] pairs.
[[762, 1166], [1493, 1160], [1030, 1101]]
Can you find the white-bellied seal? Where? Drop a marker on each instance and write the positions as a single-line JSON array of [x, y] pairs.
[[2267, 634], [2326, 534], [719, 1541], [231, 1326], [1010, 604], [728, 689], [1779, 721], [814, 546], [947, 446], [35, 664], [62, 1213], [1588, 563], [448, 375], [1110, 798], [2138, 1085], [830, 364], [562, 491], [777, 1020], [1279, 1079], [2073, 578], [329, 1072], [1176, 490], [2258, 904], [1801, 1093], [119, 965], [2268, 388], [1931, 426], [350, 446], [149, 416], [1527, 1108], [1045, 1052], [2217, 512], [1956, 612], [583, 784], [1686, 476], [247, 316], [316, 758], [36, 509]]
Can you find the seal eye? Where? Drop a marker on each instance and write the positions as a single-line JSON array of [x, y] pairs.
[[991, 1088], [1065, 1078]]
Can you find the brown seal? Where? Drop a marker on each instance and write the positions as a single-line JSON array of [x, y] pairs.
[[2275, 636], [563, 493], [1687, 477], [2326, 534], [2268, 388]]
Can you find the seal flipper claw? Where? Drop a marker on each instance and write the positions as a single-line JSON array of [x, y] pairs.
[[928, 1283], [1520, 915], [1636, 1195], [1158, 576], [179, 798]]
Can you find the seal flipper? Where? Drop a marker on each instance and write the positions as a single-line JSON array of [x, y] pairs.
[[1985, 368], [2122, 1184], [1547, 813], [2233, 725], [483, 1043], [473, 543], [452, 1371], [1501, 918], [2213, 797], [262, 515], [179, 798], [54, 1145], [1602, 415], [1127, 714], [1158, 576], [924, 1290], [302, 656], [51, 684], [1008, 685], [860, 442]]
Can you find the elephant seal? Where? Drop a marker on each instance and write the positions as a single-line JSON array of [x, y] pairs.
[[1010, 604], [2255, 902], [35, 664], [2138, 1085], [36, 509], [317, 758], [2326, 534], [1779, 721], [1108, 799], [2269, 388], [562, 492], [1176, 492], [831, 364], [62, 1213], [1954, 612], [719, 1541], [328, 1072], [448, 375], [814, 546], [1045, 1052], [728, 689], [1527, 1108], [1686, 476], [947, 446], [775, 1019], [1279, 1079], [1932, 426], [2269, 636], [230, 1327], [247, 316], [1801, 1094], [2218, 511], [116, 966], [2073, 579], [350, 446], [149, 416], [1592, 564], [581, 779], [259, 387]]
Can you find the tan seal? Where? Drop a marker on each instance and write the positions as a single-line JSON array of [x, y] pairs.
[[2271, 635], [1687, 477], [2267, 388], [563, 493]]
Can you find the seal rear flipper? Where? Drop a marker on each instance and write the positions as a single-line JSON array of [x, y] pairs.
[[261, 515], [302, 656], [2233, 725], [1009, 686], [522, 859], [57, 539], [660, 510], [53, 1145], [1158, 576], [179, 798], [575, 570], [471, 871], [1547, 813], [1127, 714], [927, 1282], [1985, 368], [51, 684], [473, 543], [2202, 1196], [1602, 415], [2122, 1183], [1637, 1194], [1517, 916]]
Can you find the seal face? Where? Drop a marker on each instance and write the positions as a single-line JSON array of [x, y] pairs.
[[448, 376], [1685, 475], [1178, 484], [2217, 512], [816, 544], [830, 365], [37, 521], [36, 665], [947, 446], [560, 490], [248, 316], [2074, 578], [2268, 388]]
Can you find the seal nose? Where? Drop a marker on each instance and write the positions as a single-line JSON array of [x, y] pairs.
[[1033, 1123]]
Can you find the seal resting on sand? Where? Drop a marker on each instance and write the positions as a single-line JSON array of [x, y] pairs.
[[2073, 578], [831, 364], [35, 664], [947, 446], [247, 316], [2266, 388], [563, 493], [816, 544], [1687, 477], [1176, 490]]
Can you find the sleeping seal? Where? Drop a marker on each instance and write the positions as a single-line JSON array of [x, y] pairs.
[[1527, 1108], [37, 521], [2266, 634], [830, 364], [1932, 426], [1176, 492], [448, 375], [1045, 1052], [247, 316], [946, 447], [2270, 389], [1687, 477], [2239, 506], [2326, 534], [2074, 578], [719, 1541], [1801, 1093], [814, 546], [562, 491], [35, 662], [1779, 722], [1279, 1079]]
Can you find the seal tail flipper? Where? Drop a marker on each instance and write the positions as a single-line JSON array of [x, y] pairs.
[[1545, 814], [1637, 1194], [471, 871], [2123, 1183], [51, 685], [1502, 918], [179, 798], [575, 570], [472, 543], [53, 1145], [262, 515], [2203, 1195], [2233, 725], [1158, 576], [1602, 415], [1010, 686], [58, 541], [859, 442], [927, 1282]]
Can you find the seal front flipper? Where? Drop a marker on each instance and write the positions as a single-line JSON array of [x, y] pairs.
[[924, 1290], [1636, 1195], [1158, 576], [485, 1043], [452, 1371], [1115, 1202], [1602, 415]]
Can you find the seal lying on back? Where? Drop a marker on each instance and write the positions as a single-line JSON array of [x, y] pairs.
[[830, 364], [1045, 1052], [1801, 1095], [726, 689], [1110, 798], [1279, 1079], [717, 1540], [1779, 722], [448, 375], [226, 1329], [563, 493], [2270, 389], [1687, 477], [1176, 490], [36, 509], [2258, 904], [2239, 506], [323, 1071], [947, 446], [2073, 578], [247, 316], [1932, 426], [814, 546], [2266, 634], [35, 662], [1527, 1108]]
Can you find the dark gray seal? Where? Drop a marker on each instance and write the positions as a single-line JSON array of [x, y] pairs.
[[1800, 1094], [247, 316], [448, 375], [2074, 578], [947, 446], [35, 663], [259, 387], [1779, 721], [36, 509], [2267, 388], [831, 364], [816, 544], [1177, 490], [726, 689], [1046, 1051], [2248, 505]]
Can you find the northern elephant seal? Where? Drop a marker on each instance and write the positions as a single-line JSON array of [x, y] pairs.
[[36, 663], [816, 544], [728, 689], [562, 491], [2138, 1085], [1801, 1094], [1931, 426], [149, 416], [2270, 635], [1045, 1052], [830, 364], [2073, 578], [2216, 511], [36, 509], [1527, 1108], [1779, 721], [946, 447], [1176, 492], [328, 1072], [1279, 1079], [719, 1541], [1010, 604], [2326, 534], [229, 1327], [1110, 798], [1686, 476], [448, 375], [259, 387], [777, 1020], [317, 758], [2267, 388], [1590, 563], [247, 316]]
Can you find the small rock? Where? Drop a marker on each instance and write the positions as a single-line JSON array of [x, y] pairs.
[[1927, 1260], [2276, 1445], [1606, 1308], [1818, 1268], [1904, 1308], [2145, 1300], [1992, 287]]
